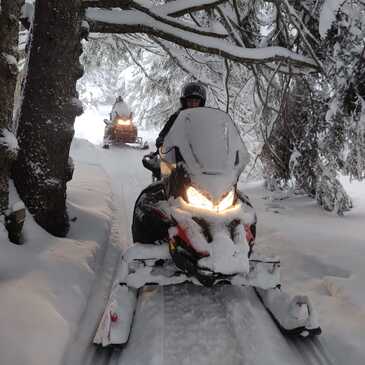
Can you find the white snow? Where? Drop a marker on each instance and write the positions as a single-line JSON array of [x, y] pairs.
[[321, 255], [328, 15], [85, 25], [226, 257], [27, 10], [17, 206], [121, 305], [45, 283], [9, 140], [11, 60], [174, 6], [290, 311], [90, 124]]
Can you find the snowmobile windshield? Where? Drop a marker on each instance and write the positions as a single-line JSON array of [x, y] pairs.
[[211, 149]]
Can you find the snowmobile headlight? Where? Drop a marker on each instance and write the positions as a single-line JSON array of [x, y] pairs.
[[227, 201], [123, 122], [198, 200]]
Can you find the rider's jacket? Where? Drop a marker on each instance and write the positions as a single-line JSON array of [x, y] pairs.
[[166, 128]]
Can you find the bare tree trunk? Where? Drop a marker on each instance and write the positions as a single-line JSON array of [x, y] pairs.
[[9, 28], [48, 112]]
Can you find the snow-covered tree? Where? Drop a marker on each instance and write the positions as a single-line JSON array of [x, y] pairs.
[[328, 104], [9, 27], [49, 108]]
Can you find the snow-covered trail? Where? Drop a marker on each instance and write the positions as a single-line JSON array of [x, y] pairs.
[[181, 324], [187, 325], [127, 178]]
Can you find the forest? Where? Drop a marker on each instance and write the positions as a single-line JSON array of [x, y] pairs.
[[290, 73]]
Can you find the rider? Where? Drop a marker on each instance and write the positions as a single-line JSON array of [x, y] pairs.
[[193, 95], [120, 109], [148, 224], [147, 227]]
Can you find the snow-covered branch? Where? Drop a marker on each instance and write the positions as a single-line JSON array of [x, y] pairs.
[[135, 21], [176, 23], [123, 4], [140, 66], [181, 7], [183, 65], [175, 8]]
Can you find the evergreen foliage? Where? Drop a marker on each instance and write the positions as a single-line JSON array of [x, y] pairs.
[[319, 131], [310, 126]]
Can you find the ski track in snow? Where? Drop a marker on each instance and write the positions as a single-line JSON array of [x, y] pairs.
[[187, 324], [119, 165], [182, 324]]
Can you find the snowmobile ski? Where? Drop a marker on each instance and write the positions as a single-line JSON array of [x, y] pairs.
[[294, 316]]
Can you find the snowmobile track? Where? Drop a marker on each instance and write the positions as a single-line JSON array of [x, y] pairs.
[[313, 351], [187, 324]]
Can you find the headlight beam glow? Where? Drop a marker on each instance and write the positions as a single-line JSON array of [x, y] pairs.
[[226, 202], [198, 200], [123, 122]]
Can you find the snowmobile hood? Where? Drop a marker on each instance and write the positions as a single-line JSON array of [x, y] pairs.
[[210, 146]]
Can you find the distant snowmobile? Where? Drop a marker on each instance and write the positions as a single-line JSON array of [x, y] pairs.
[[120, 129], [194, 226]]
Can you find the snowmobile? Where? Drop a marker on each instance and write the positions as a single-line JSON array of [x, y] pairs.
[[122, 132], [193, 225]]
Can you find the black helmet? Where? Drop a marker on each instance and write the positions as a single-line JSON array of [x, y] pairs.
[[193, 89]]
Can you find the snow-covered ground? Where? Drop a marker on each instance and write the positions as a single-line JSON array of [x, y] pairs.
[[322, 255], [49, 300], [45, 283]]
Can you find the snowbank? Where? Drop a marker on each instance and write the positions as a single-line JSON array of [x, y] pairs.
[[45, 283], [90, 124], [322, 256]]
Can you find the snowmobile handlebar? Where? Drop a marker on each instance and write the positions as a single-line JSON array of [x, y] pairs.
[[151, 162], [147, 158]]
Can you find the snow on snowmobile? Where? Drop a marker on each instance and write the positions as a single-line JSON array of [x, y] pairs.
[[122, 132], [193, 225]]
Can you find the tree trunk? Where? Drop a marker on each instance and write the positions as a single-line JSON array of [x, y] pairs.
[[9, 27], [48, 112]]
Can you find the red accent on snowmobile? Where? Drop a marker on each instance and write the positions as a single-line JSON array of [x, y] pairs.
[[183, 236], [114, 317], [124, 133], [249, 235]]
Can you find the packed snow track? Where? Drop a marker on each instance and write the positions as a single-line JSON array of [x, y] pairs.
[[184, 324]]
